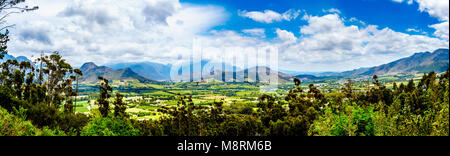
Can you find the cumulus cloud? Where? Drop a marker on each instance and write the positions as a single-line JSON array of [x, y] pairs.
[[89, 12], [441, 30], [440, 10], [436, 8], [286, 36], [106, 31], [269, 16], [328, 41], [35, 35], [159, 11]]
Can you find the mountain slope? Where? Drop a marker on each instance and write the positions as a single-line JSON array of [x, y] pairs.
[[306, 77], [437, 61], [91, 72]]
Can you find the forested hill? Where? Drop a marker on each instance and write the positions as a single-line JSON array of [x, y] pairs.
[[437, 61]]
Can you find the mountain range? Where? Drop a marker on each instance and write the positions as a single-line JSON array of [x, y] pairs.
[[253, 74], [91, 72], [150, 70], [18, 58], [437, 61]]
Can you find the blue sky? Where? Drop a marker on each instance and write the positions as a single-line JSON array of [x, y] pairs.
[[384, 13], [309, 35]]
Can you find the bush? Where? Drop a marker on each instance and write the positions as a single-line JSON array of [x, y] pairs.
[[353, 121], [16, 125], [149, 128], [110, 127], [11, 125], [240, 125]]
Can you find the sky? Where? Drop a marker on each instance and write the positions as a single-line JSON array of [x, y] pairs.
[[310, 36]]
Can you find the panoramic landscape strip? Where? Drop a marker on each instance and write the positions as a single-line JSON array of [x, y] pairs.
[[224, 68]]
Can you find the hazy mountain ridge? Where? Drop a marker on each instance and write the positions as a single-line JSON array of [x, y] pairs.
[[150, 70], [161, 72], [260, 73], [91, 72], [306, 77], [18, 58]]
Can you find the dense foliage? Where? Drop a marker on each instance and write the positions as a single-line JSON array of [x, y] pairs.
[[42, 91]]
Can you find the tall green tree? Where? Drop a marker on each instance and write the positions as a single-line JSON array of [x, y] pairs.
[[103, 100], [119, 106]]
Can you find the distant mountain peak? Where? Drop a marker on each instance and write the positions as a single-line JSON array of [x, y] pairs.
[[88, 66], [91, 72]]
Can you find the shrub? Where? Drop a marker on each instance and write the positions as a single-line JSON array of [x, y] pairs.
[[11, 125], [110, 127]]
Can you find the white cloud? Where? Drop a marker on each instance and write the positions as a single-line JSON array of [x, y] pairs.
[[415, 30], [354, 19], [107, 31], [440, 10], [436, 8], [269, 16], [401, 1], [258, 32], [332, 10], [123, 31], [441, 30], [328, 41], [286, 36], [412, 30]]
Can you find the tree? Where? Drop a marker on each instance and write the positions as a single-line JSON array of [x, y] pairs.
[[119, 106], [59, 76], [103, 100], [375, 79], [3, 43], [78, 73], [348, 88], [297, 81]]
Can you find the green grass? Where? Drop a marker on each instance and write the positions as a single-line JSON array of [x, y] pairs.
[[81, 106]]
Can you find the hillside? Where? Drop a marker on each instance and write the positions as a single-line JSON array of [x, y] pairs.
[[306, 77], [91, 72], [437, 61]]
